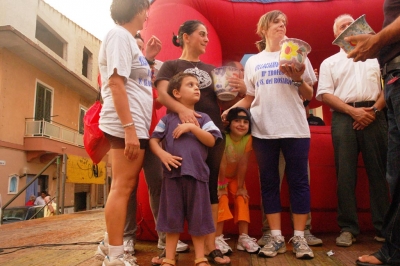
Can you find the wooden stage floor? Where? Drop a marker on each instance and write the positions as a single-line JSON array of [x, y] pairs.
[[71, 239]]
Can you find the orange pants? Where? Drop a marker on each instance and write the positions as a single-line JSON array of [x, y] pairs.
[[242, 212]]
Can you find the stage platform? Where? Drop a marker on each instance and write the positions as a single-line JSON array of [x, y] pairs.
[[71, 239]]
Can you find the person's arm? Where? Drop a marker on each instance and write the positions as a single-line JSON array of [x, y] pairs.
[[305, 90], [185, 114], [245, 103], [153, 47], [121, 103], [368, 46], [241, 176], [379, 105], [203, 136], [166, 158], [362, 116]]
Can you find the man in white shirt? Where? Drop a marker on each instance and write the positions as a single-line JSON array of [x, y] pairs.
[[353, 91], [40, 200]]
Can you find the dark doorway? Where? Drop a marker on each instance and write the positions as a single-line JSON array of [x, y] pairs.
[[80, 201]]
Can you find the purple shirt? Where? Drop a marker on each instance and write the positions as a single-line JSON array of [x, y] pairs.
[[193, 152]]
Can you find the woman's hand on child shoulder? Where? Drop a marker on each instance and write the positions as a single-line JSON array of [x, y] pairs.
[[189, 116]]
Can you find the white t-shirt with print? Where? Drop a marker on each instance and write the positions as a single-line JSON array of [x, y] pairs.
[[277, 110], [119, 51]]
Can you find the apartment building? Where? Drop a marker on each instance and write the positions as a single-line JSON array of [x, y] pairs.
[[48, 79]]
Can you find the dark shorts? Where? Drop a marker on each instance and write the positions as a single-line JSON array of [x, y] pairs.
[[185, 197], [119, 143]]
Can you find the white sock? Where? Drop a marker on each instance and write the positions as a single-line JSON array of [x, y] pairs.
[[105, 239], [115, 251], [276, 232], [298, 233]]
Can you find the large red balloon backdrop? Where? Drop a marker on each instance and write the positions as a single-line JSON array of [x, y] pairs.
[[232, 26]]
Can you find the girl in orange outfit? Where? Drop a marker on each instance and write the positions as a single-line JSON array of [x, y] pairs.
[[231, 179]]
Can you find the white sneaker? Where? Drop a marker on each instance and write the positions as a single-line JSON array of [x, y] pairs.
[[265, 238], [301, 248], [275, 245], [129, 246], [101, 252], [311, 239], [248, 244], [123, 260], [222, 245], [102, 248], [180, 247]]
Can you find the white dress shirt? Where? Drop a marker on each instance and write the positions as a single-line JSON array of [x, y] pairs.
[[349, 81]]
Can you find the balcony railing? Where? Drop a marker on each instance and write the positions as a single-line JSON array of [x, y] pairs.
[[53, 130]]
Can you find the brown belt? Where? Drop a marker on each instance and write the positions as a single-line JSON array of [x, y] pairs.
[[362, 104]]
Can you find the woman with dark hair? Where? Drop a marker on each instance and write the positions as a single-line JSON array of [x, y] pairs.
[[125, 116], [193, 39], [274, 92]]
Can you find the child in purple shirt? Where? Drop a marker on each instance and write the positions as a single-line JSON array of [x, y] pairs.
[[184, 192]]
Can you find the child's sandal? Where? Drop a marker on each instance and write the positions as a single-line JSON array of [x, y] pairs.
[[168, 261], [200, 260]]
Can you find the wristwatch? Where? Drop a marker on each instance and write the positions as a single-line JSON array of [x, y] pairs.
[[375, 110], [297, 83]]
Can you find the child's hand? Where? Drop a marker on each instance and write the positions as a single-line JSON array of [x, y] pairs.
[[242, 192], [170, 160], [222, 192], [223, 117], [181, 129]]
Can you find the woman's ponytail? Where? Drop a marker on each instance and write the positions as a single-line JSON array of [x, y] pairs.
[[175, 40]]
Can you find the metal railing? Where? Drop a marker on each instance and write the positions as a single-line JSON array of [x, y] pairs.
[[27, 185], [42, 128]]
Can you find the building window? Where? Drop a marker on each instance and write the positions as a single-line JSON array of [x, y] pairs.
[[87, 59], [48, 37], [82, 113], [43, 103], [13, 184]]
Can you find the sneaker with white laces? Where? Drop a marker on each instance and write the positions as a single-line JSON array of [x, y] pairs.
[[101, 252], [247, 244], [345, 239], [102, 248], [265, 238], [129, 246], [122, 260], [311, 239], [301, 248], [275, 245], [180, 247], [222, 245]]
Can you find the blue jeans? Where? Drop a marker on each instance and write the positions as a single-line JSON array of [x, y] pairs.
[[390, 250]]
